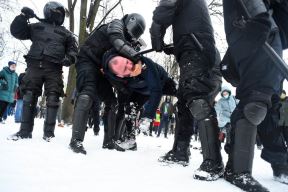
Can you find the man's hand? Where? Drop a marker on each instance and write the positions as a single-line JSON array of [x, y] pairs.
[[28, 12], [66, 62], [145, 124], [168, 49]]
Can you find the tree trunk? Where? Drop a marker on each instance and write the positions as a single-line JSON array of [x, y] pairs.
[[67, 109]]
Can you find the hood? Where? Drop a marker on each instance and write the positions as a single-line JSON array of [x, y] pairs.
[[8, 70], [224, 88]]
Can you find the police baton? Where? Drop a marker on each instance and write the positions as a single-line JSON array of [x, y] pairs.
[[276, 59], [151, 50]]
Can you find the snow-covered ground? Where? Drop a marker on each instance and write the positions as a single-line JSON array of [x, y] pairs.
[[37, 166]]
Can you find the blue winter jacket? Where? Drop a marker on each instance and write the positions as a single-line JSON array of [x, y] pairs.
[[224, 108], [11, 78], [150, 82]]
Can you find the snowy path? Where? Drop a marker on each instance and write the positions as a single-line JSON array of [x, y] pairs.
[[37, 166]]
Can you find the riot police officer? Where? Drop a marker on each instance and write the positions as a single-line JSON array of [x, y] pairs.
[[53, 46], [197, 55], [248, 25], [120, 34]]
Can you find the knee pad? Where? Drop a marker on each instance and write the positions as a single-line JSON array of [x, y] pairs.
[[53, 100], [200, 109], [84, 102], [255, 112], [28, 97]]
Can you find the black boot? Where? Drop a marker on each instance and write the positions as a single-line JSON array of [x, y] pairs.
[[109, 130], [212, 167], [180, 154], [280, 173], [77, 147], [27, 119], [50, 118], [239, 166], [80, 118], [49, 123]]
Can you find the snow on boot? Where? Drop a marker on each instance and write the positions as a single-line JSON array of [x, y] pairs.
[[179, 155], [244, 181], [48, 138], [19, 135], [209, 170], [113, 145], [128, 144], [280, 173], [77, 147]]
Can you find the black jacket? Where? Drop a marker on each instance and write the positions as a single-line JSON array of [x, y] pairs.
[[49, 42], [105, 37], [186, 17], [150, 82]]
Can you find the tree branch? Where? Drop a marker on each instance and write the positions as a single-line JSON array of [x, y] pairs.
[[108, 12]]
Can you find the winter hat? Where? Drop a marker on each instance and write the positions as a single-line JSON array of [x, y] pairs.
[[11, 63]]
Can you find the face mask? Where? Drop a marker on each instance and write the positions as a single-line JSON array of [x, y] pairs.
[[226, 96], [283, 96], [137, 70], [12, 68]]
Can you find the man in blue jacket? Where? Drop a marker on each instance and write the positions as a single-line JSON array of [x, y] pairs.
[[8, 86], [138, 84]]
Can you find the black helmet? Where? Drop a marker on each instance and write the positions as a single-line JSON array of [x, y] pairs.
[[135, 25], [54, 12]]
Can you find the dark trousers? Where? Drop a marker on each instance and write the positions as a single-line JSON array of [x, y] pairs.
[[271, 135], [163, 123], [131, 111], [3, 107]]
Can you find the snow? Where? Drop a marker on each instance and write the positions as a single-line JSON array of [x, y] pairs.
[[34, 165]]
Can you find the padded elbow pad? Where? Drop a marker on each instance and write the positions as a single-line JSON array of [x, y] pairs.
[[116, 26]]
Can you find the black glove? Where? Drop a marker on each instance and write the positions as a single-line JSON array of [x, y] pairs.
[[3, 84], [168, 50], [28, 12], [157, 34], [66, 62]]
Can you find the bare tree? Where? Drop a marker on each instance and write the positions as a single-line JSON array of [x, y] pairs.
[[215, 7], [4, 8]]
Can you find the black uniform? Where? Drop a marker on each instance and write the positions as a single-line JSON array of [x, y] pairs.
[[195, 51], [91, 81], [258, 87], [51, 45]]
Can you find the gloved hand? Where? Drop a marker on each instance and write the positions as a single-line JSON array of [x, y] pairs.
[[157, 34], [3, 84], [145, 124], [66, 62], [168, 50], [28, 12]]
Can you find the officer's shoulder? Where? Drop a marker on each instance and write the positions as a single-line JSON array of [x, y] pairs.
[[36, 24], [64, 29]]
